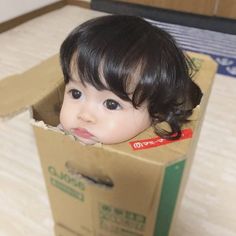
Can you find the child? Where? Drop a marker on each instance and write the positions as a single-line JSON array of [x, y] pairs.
[[122, 76]]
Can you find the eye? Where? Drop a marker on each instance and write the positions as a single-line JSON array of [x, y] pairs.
[[112, 104], [75, 93]]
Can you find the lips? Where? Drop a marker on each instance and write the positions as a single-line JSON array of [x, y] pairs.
[[83, 133]]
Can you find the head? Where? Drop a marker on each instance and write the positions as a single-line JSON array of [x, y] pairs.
[[123, 75]]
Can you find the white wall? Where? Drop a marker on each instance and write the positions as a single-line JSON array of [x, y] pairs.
[[12, 8]]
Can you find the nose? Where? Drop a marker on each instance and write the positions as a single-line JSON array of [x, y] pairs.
[[86, 114]]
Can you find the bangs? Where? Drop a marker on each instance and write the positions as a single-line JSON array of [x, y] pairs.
[[105, 71]]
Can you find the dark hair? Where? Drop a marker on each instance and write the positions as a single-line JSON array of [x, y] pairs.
[[125, 49]]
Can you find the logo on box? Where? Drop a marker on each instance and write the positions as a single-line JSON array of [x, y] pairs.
[[158, 141]]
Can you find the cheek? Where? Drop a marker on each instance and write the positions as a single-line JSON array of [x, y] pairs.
[[66, 116], [122, 128]]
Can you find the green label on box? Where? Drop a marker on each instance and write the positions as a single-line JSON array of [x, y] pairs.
[[66, 183], [169, 194], [121, 222], [67, 189]]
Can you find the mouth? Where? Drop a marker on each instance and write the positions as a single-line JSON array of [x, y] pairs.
[[83, 133]]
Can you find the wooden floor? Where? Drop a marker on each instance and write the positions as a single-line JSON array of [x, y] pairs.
[[208, 207]]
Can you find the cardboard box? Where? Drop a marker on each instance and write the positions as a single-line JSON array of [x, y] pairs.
[[128, 189]]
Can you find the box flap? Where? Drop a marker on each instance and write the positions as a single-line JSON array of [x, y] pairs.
[[18, 92]]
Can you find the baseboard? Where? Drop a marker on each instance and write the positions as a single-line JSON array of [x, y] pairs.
[[193, 20], [28, 16], [79, 3]]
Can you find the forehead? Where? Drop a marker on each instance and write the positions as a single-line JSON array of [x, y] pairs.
[[86, 74], [108, 78]]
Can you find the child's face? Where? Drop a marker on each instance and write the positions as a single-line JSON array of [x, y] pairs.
[[95, 116]]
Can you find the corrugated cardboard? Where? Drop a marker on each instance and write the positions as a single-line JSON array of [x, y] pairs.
[[127, 189]]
